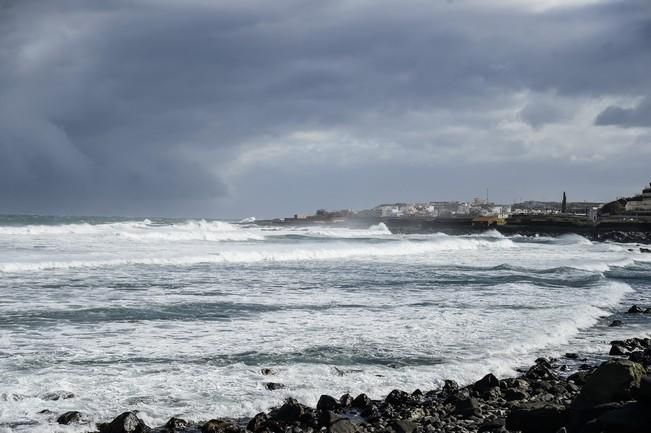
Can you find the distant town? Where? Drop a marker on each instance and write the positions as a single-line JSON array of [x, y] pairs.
[[614, 220]]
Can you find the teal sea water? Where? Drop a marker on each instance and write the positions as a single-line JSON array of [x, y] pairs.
[[178, 317]]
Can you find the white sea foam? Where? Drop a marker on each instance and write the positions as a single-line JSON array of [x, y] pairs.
[[179, 339]]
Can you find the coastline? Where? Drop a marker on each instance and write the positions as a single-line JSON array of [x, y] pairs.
[[623, 231], [567, 394]]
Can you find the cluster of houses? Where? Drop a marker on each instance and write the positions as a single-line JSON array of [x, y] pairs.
[[435, 209], [637, 206]]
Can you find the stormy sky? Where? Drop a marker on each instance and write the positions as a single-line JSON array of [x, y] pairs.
[[264, 108]]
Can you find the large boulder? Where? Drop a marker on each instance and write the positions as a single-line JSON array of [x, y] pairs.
[[174, 424], [127, 422], [467, 407], [291, 411], [487, 382], [258, 423], [327, 402], [537, 417], [645, 389], [632, 417], [612, 381], [72, 417], [362, 401], [398, 398]]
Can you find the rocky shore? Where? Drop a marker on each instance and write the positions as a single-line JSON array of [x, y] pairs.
[[614, 396]]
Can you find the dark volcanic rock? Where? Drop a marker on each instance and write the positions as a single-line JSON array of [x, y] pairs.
[[537, 417], [267, 371], [487, 382], [272, 386], [572, 355], [327, 402], [174, 424], [220, 426], [450, 387], [258, 423], [635, 310], [541, 371], [467, 407], [612, 381], [57, 395], [399, 398], [291, 411], [362, 401], [515, 394], [632, 417], [346, 400], [615, 323], [645, 389], [617, 350], [127, 422], [72, 417]]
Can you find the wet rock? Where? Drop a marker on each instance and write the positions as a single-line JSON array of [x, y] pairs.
[[174, 424], [541, 371], [57, 395], [611, 381], [632, 417], [579, 377], [362, 401], [487, 382], [402, 426], [343, 426], [450, 387], [327, 402], [615, 323], [537, 417], [645, 389], [258, 423], [398, 398], [572, 355], [515, 395], [346, 400], [371, 413], [273, 386], [467, 407], [491, 394], [635, 310], [645, 250], [127, 422], [617, 350], [327, 417], [641, 356], [290, 411], [72, 417], [268, 371], [219, 426]]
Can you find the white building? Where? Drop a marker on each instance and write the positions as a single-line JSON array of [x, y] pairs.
[[641, 203]]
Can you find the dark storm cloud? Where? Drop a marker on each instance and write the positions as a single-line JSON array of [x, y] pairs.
[[626, 117], [146, 105]]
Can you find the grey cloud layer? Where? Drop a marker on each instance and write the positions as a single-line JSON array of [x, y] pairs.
[[181, 107]]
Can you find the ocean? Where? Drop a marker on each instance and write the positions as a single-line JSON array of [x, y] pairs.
[[179, 317]]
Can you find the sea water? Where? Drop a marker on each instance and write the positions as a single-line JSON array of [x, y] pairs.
[[178, 318]]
